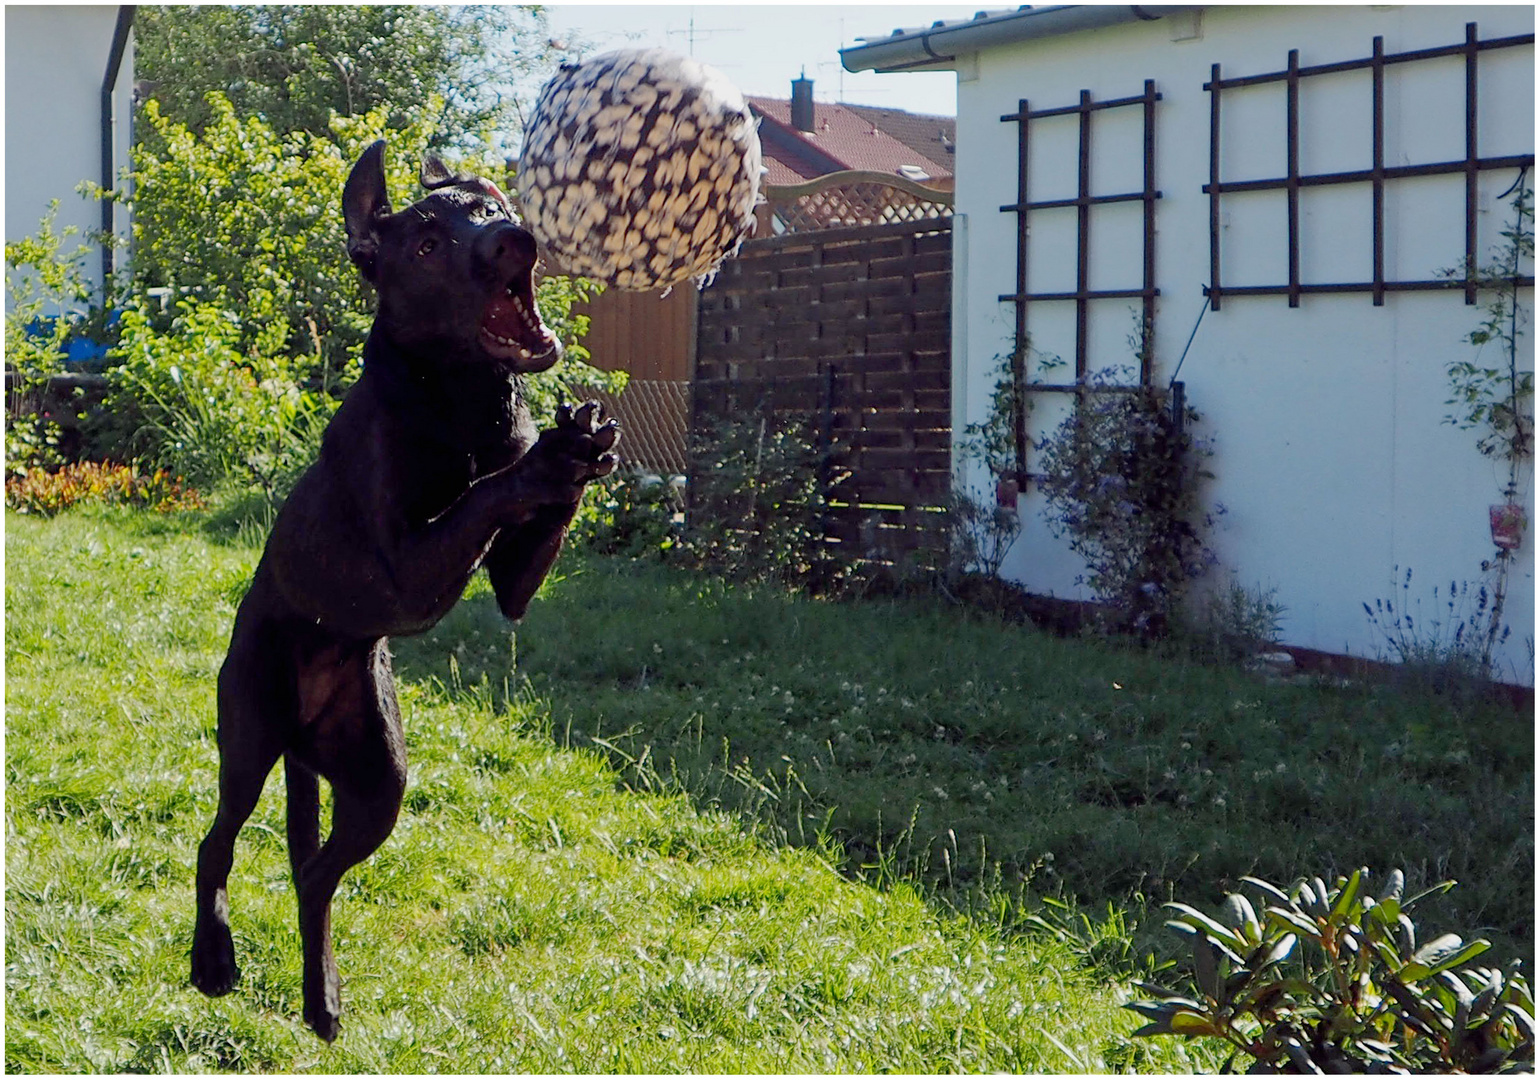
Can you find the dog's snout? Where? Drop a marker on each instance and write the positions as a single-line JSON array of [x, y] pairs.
[[506, 248]]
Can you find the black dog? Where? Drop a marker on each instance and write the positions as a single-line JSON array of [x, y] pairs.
[[430, 468]]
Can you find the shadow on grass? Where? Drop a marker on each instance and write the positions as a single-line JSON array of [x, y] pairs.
[[998, 765], [994, 764]]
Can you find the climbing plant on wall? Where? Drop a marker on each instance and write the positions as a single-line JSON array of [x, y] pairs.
[[1494, 396]]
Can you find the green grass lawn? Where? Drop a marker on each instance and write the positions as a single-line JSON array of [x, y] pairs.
[[675, 825], [528, 914], [991, 760]]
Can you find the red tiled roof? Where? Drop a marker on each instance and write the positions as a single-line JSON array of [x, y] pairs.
[[841, 139], [933, 136]]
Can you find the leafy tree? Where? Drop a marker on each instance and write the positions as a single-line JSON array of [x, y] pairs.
[[250, 221], [248, 318], [294, 66], [243, 319]]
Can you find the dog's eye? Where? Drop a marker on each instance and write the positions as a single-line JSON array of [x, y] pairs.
[[426, 247]]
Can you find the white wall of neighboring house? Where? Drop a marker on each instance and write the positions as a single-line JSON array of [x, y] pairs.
[[1332, 456], [55, 62]]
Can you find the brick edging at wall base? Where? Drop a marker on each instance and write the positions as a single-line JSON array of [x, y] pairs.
[[1316, 662], [1066, 618]]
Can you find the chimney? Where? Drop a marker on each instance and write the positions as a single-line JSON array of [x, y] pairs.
[[802, 103]]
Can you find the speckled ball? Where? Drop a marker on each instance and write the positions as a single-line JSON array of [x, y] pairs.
[[640, 168]]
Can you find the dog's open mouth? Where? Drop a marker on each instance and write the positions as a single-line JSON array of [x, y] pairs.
[[511, 328]]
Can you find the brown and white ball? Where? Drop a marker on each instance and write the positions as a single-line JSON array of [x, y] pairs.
[[640, 168]]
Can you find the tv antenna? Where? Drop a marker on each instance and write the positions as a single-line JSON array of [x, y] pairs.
[[691, 31], [820, 65]]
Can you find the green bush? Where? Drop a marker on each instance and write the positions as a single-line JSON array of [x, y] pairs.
[[761, 502], [51, 302], [1234, 623], [247, 221], [1121, 477], [628, 514], [1333, 979], [50, 298], [212, 410], [241, 229]]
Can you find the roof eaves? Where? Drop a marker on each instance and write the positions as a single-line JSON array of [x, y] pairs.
[[936, 47]]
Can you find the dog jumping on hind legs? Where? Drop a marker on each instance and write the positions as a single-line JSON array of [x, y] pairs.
[[431, 467]]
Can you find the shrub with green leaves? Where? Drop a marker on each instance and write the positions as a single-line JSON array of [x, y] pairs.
[[50, 297], [627, 514], [1332, 979], [761, 501], [1121, 478], [247, 220], [242, 228], [1233, 623], [51, 302], [211, 408]]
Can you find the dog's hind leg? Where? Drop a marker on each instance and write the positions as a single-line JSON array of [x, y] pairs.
[[304, 814], [250, 742], [351, 734]]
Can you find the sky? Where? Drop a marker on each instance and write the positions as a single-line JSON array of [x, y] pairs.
[[763, 47]]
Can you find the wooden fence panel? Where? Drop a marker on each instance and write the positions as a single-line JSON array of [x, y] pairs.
[[651, 336], [849, 328]]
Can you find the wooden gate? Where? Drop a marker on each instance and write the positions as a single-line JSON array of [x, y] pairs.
[[849, 327]]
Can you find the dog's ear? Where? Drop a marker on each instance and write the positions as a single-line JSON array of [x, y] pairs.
[[435, 174], [364, 202]]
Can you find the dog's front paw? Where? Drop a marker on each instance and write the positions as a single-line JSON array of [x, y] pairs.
[[587, 437], [580, 447]]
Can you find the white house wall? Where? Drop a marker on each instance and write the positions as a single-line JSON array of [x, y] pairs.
[[55, 61], [1331, 455]]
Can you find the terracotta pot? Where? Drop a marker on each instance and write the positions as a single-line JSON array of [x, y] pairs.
[[1508, 523], [1007, 492]]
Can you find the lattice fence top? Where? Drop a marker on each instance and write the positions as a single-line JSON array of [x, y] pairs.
[[846, 199]]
